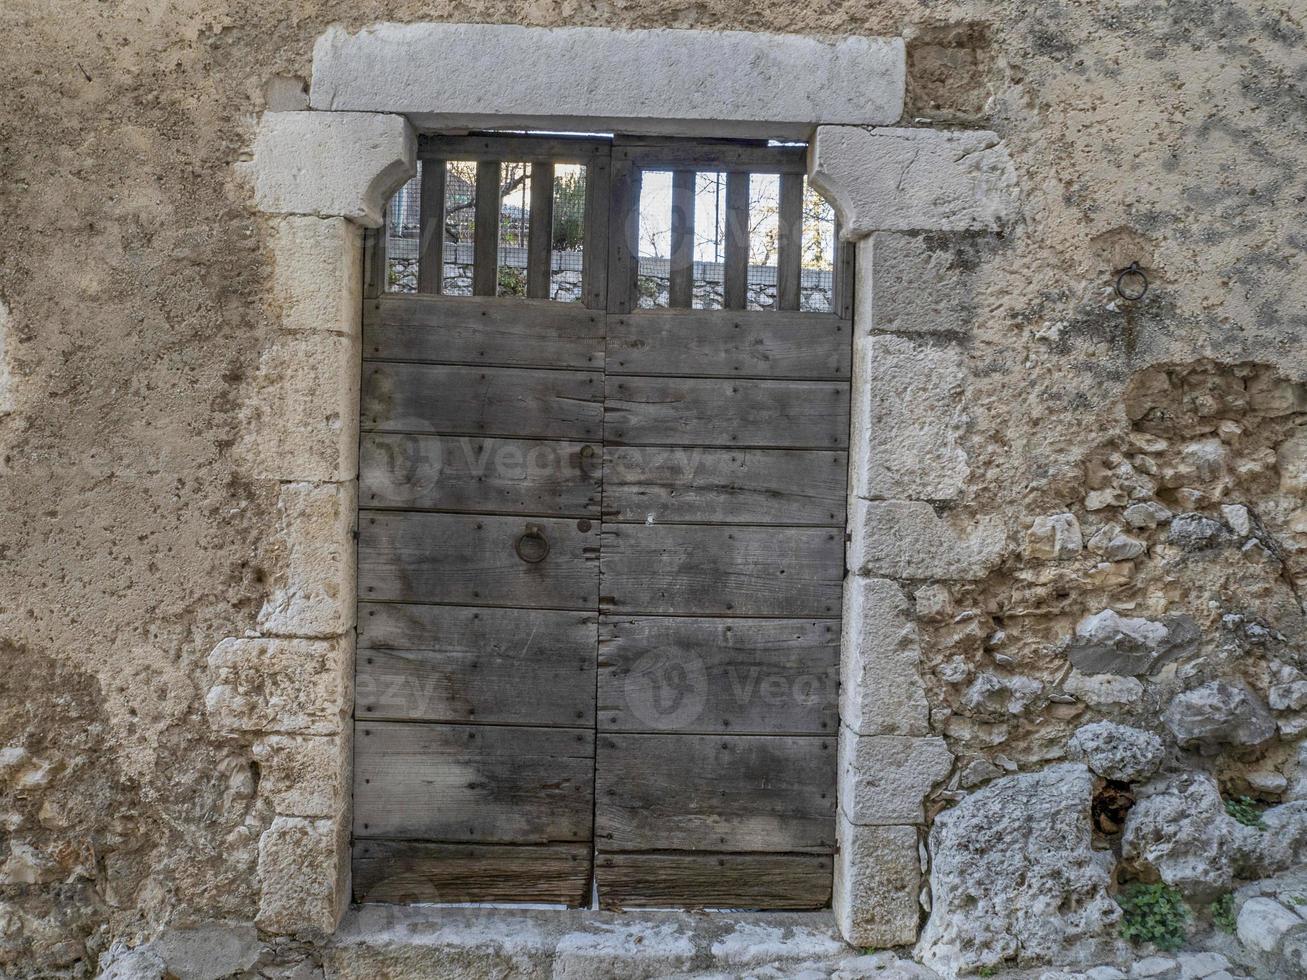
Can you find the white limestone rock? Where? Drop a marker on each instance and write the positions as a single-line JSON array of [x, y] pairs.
[[1014, 877], [1218, 714], [1180, 828], [1116, 751], [1056, 536], [1262, 922], [1147, 514]]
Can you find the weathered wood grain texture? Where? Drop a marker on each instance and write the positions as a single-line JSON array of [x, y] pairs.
[[680, 283], [473, 783], [623, 236], [418, 871], [594, 261], [463, 473], [712, 156], [734, 412], [468, 664], [469, 560], [724, 486], [545, 149], [736, 881], [481, 401], [737, 343], [789, 244], [740, 676], [692, 570], [505, 331], [751, 793]]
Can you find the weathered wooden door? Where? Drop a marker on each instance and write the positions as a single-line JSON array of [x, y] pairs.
[[600, 551]]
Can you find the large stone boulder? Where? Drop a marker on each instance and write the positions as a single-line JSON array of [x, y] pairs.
[[1179, 827], [1108, 643], [1015, 881], [1219, 714]]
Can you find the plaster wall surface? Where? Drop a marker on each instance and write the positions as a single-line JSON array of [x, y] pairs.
[[140, 526]]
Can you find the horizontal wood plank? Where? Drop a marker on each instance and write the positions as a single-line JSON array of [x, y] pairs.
[[722, 571], [498, 330], [761, 344], [473, 783], [724, 486], [562, 149], [718, 157], [419, 871], [471, 560], [467, 664], [465, 473], [768, 793], [489, 401], [735, 881], [742, 676], [714, 412]]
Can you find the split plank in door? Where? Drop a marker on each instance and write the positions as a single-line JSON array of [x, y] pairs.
[[480, 485]]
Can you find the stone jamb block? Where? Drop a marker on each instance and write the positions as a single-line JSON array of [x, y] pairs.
[[330, 164], [908, 418], [303, 875], [301, 420], [677, 82], [922, 283], [881, 691], [906, 539], [891, 179], [317, 279], [884, 779], [305, 775], [291, 686], [316, 594], [877, 883]]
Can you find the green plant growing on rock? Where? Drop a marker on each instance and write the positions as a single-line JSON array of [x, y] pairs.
[[1153, 914], [1245, 810], [1223, 916]]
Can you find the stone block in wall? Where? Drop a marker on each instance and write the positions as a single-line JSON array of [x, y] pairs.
[[907, 539], [877, 883], [881, 692], [314, 592], [317, 277], [908, 418], [892, 179], [303, 875], [884, 779], [300, 421], [330, 164], [305, 775], [292, 686], [923, 283]]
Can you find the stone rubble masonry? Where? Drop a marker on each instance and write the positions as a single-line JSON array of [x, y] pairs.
[[881, 691], [6, 375], [906, 539], [908, 418], [877, 880], [888, 179], [679, 82], [330, 164], [315, 598], [884, 779]]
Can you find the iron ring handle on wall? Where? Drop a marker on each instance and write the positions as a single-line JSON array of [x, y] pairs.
[[1139, 283], [532, 546]]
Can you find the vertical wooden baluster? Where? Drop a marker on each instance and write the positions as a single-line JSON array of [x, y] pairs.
[[431, 228], [540, 239], [789, 258], [594, 254], [623, 237], [680, 291], [736, 288], [485, 247]]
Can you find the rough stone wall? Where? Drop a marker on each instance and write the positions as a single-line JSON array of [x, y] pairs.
[[139, 526]]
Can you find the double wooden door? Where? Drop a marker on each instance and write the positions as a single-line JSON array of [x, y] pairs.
[[600, 567]]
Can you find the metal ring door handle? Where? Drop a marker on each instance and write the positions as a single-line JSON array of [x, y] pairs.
[[532, 546]]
